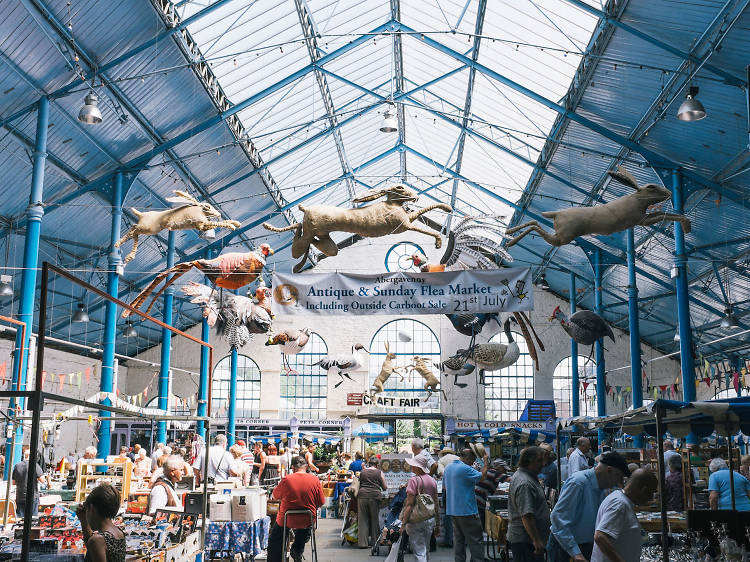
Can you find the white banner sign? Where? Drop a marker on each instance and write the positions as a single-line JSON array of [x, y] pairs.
[[481, 290], [385, 401]]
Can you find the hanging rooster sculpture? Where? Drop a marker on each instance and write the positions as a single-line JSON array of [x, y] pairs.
[[229, 271], [290, 342], [342, 365], [475, 243], [584, 326], [492, 356], [236, 317]]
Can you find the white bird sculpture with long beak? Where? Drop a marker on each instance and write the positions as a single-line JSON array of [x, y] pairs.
[[342, 365], [290, 342]]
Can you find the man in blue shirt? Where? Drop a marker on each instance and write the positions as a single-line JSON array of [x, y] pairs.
[[719, 486], [357, 464], [460, 503], [574, 517]]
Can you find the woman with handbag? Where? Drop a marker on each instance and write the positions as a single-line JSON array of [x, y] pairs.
[[418, 516], [369, 493]]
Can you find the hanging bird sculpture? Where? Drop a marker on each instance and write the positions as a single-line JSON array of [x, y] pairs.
[[474, 243], [585, 327], [236, 317], [492, 356], [290, 342], [229, 271], [342, 365], [456, 366]]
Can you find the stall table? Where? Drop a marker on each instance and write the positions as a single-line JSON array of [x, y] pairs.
[[237, 537]]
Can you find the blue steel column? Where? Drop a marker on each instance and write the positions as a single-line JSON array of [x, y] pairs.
[[575, 383], [601, 391], [204, 374], [34, 213], [232, 414], [683, 304], [110, 318], [636, 376], [166, 344]]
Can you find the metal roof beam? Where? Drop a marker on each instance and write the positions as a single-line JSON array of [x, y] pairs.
[[317, 136], [478, 25], [398, 64], [309, 32], [654, 158], [728, 78]]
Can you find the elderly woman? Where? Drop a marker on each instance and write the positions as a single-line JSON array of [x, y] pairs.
[[745, 466], [720, 493], [419, 532], [673, 487], [142, 466], [371, 485], [239, 467]]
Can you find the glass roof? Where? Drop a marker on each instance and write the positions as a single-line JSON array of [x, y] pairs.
[[252, 45]]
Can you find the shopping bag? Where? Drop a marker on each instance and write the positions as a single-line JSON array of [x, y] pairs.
[[395, 547]]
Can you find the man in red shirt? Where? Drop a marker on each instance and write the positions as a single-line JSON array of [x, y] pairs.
[[299, 490]]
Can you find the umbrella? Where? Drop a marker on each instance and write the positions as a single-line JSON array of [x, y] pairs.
[[371, 431]]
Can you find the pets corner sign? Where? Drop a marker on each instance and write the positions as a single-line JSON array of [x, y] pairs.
[[484, 290]]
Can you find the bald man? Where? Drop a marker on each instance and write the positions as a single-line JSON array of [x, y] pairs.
[[578, 460], [618, 534]]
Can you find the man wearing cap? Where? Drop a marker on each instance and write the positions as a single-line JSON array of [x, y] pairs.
[[418, 450], [574, 516], [247, 456], [618, 532], [461, 504]]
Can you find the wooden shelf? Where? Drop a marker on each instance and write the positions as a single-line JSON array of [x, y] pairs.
[[121, 482]]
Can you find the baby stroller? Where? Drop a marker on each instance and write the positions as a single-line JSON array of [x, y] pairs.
[[389, 536]]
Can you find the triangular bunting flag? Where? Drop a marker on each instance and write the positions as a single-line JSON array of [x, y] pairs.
[[663, 387], [2, 372], [44, 377], [61, 378], [88, 374], [736, 381], [79, 378]]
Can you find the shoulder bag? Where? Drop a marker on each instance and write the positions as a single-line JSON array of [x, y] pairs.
[[424, 506]]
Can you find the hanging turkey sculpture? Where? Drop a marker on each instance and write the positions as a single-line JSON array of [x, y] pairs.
[[228, 271], [618, 215], [585, 327], [236, 317], [192, 214], [371, 221], [290, 342]]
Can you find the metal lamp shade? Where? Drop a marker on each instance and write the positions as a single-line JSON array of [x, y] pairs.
[[691, 110], [81, 315], [129, 331], [390, 123], [542, 283], [729, 322], [90, 113], [5, 289]]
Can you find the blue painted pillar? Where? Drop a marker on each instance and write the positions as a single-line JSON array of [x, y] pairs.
[[232, 414], [636, 376], [601, 391], [166, 344], [110, 318], [687, 366], [575, 383], [204, 374], [34, 213]]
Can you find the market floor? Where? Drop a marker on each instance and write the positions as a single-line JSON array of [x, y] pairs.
[[330, 548]]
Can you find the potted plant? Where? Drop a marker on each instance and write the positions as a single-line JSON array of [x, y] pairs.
[[322, 458]]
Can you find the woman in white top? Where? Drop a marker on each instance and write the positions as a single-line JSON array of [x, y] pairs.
[[239, 467]]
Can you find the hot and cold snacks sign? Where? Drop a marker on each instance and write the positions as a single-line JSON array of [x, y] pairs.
[[484, 290]]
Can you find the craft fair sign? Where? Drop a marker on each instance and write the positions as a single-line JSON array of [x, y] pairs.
[[388, 401], [483, 290]]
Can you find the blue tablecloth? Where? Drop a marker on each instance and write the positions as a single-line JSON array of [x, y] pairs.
[[76, 555], [339, 489], [239, 537]]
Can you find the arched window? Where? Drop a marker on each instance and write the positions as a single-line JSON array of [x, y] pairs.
[[397, 257], [422, 341], [247, 399], [304, 388], [507, 390], [729, 393], [562, 387]]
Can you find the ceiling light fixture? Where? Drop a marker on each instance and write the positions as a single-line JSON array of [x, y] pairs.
[[6, 290], [729, 322], [90, 112], [129, 330], [390, 122], [676, 335], [542, 283], [691, 109], [81, 315]]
